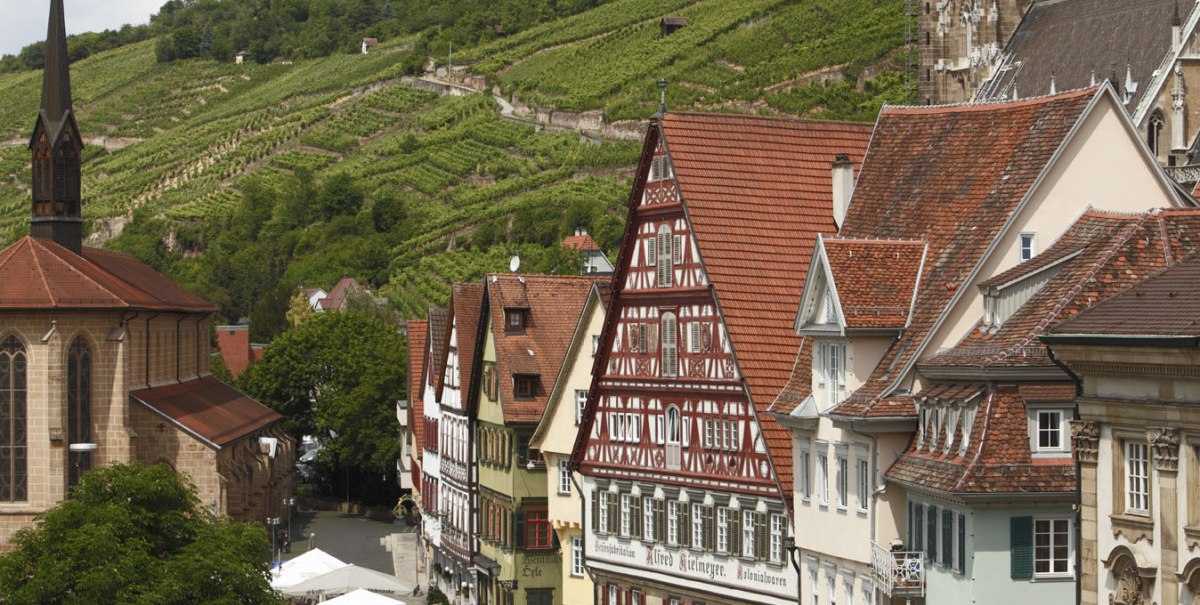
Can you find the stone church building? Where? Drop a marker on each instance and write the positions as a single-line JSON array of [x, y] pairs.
[[103, 359]]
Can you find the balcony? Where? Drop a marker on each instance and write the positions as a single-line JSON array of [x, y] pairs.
[[898, 573]]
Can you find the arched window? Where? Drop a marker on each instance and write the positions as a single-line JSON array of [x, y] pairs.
[[666, 259], [674, 432], [79, 408], [670, 350], [1154, 132], [14, 476]]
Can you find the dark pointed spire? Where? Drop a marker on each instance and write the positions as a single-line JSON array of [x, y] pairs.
[[56, 80]]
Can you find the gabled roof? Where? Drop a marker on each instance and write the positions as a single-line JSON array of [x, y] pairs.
[[581, 241], [997, 460], [1079, 43], [462, 319], [209, 409], [597, 300], [343, 289], [555, 305], [873, 282], [757, 191], [418, 334], [41, 274], [953, 177], [438, 327], [1161, 306], [1100, 256]]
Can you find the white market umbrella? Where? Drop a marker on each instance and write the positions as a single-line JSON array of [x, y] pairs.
[[346, 579], [363, 596], [307, 566]]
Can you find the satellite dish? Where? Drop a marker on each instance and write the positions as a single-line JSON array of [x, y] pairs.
[[514, 264]]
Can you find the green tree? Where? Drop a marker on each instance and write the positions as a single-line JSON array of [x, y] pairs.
[[337, 374], [339, 195], [136, 534]]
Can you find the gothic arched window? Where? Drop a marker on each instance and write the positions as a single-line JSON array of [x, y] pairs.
[[14, 476], [79, 408], [1154, 132]]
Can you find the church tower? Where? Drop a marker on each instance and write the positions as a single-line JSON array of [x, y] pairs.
[[56, 147]]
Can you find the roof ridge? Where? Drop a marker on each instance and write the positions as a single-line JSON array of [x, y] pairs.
[[986, 105], [749, 116], [33, 250], [873, 240]]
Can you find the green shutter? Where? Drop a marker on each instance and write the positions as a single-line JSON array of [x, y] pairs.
[[931, 536], [614, 514], [635, 516], [918, 529], [660, 520], [596, 511], [760, 535], [1021, 550], [947, 537], [735, 533], [685, 525], [710, 532], [520, 530], [962, 543]]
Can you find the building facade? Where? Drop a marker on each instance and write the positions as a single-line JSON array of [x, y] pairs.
[[960, 44]]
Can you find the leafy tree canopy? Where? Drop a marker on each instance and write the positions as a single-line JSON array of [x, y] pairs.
[[136, 534]]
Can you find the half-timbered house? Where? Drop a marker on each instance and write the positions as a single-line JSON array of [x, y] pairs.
[[686, 479], [948, 198]]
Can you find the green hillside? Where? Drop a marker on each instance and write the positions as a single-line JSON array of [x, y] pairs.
[[243, 181]]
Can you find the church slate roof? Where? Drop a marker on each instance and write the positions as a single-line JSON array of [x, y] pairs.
[[757, 191], [207, 408], [41, 274], [1073, 41], [927, 177]]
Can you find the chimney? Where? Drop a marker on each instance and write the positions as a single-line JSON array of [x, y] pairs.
[[843, 187]]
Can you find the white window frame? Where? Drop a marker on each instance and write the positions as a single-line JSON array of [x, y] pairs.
[[613, 598], [626, 515], [843, 480], [564, 477], [697, 519], [648, 519], [775, 550], [581, 396], [1028, 246], [822, 477], [1036, 428], [722, 545], [1137, 477], [604, 502], [1069, 536], [748, 534], [673, 522], [664, 269], [635, 597], [577, 557], [832, 374], [863, 467], [804, 460]]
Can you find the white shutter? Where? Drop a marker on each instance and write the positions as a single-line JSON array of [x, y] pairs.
[[822, 354], [678, 254], [687, 431], [669, 351], [651, 250], [694, 341], [841, 365]]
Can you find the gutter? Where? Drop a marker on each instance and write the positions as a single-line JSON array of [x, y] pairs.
[[1123, 340], [1078, 506]]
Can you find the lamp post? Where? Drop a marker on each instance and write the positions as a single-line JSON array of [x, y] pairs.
[[288, 503], [793, 551], [78, 451], [273, 523]]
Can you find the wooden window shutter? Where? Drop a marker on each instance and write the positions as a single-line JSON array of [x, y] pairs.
[[947, 537], [710, 529], [652, 336], [614, 515], [918, 528], [931, 536], [595, 512], [685, 524], [1021, 550], [735, 532], [652, 253], [660, 520], [519, 529], [962, 542], [635, 516], [760, 536], [678, 250]]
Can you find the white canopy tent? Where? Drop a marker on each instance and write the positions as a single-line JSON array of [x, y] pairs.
[[363, 596], [307, 566], [347, 579]]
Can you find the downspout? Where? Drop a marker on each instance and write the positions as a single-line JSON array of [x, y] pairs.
[[1078, 480], [178, 367], [146, 369], [583, 517], [875, 492]]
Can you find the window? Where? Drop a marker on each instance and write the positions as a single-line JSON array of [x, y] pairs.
[[832, 374], [1050, 431], [648, 506], [775, 554], [626, 514], [805, 474], [947, 550], [748, 522], [515, 320], [723, 530], [612, 595], [660, 168], [1051, 547], [635, 597], [673, 523], [564, 477], [1137, 478], [581, 396], [697, 526], [595, 345], [537, 530], [864, 482], [931, 533], [603, 515], [79, 408], [1154, 132], [822, 478], [524, 386], [1028, 246], [815, 588], [673, 434], [665, 266], [842, 481], [14, 476], [831, 583], [670, 353], [960, 560]]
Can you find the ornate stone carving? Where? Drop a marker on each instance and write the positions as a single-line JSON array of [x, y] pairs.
[[1085, 436], [1164, 443], [1129, 588]]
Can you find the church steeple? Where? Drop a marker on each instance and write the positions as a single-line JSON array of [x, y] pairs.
[[56, 147]]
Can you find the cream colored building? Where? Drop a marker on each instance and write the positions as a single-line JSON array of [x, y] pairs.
[[555, 438]]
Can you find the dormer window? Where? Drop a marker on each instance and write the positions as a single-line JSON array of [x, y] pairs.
[[1048, 434], [660, 169], [524, 385], [1028, 246], [515, 319]]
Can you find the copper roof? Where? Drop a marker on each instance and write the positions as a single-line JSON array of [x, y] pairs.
[[418, 333], [41, 274], [209, 409], [997, 459], [1079, 43], [876, 279], [555, 304], [929, 175], [757, 191]]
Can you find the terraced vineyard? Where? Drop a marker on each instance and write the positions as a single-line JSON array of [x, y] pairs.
[[185, 145]]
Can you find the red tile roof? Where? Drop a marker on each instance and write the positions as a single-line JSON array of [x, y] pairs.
[[234, 344], [757, 191], [418, 332], [208, 408], [997, 459], [555, 304], [438, 320], [950, 176], [876, 280], [40, 274], [466, 303], [580, 242], [1100, 256], [343, 289]]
